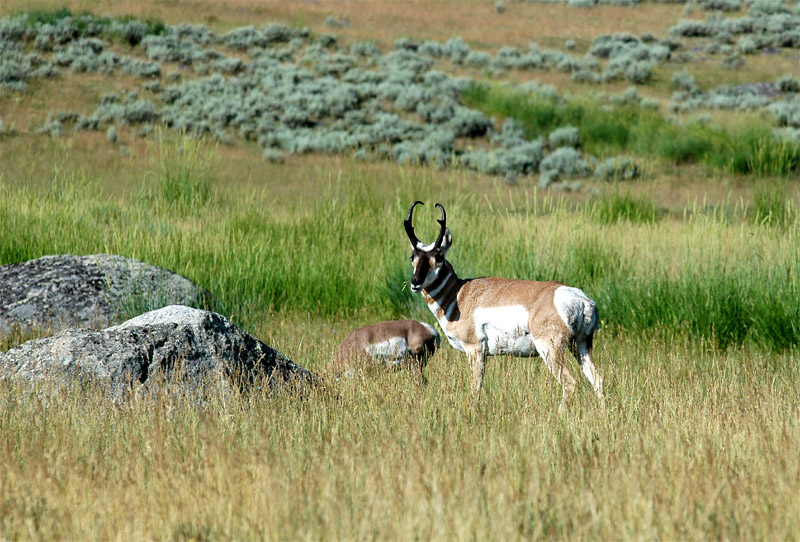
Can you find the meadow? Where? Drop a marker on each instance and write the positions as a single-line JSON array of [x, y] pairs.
[[694, 264]]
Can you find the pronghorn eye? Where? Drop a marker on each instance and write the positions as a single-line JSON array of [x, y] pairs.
[[439, 258]]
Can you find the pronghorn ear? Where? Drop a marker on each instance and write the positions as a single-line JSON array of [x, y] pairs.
[[447, 240]]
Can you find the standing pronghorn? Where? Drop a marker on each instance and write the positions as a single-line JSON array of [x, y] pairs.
[[494, 316], [395, 343]]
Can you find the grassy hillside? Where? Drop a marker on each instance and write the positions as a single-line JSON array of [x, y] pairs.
[[693, 262]]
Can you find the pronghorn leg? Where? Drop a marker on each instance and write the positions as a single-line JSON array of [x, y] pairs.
[[477, 359], [421, 364], [583, 353], [553, 356]]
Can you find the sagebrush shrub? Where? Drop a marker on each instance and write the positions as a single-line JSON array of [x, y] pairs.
[[566, 136], [733, 62], [768, 7], [788, 83], [787, 112], [565, 161], [618, 168], [691, 29], [721, 5], [747, 45], [684, 81]]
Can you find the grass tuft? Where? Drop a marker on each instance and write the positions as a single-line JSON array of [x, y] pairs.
[[774, 157], [624, 207], [179, 166], [771, 204]]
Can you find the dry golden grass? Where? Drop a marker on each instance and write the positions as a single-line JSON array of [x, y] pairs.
[[477, 22], [710, 73], [680, 454]]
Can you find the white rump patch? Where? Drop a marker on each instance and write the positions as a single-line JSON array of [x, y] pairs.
[[393, 350], [575, 309], [504, 330]]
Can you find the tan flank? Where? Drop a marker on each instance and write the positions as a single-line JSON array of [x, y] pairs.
[[392, 343], [493, 316]]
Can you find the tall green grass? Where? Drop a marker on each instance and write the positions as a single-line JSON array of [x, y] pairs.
[[179, 181], [772, 204], [624, 207], [346, 254], [606, 129], [600, 129], [770, 157]]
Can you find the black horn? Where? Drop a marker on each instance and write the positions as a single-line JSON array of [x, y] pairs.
[[408, 225], [443, 223]]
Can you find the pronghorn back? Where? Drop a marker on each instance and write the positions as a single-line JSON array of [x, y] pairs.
[[497, 309]]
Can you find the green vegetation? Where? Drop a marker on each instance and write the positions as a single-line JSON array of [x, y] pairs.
[[46, 16], [609, 129], [82, 20], [771, 158], [180, 182], [772, 205], [698, 276], [621, 207], [601, 130]]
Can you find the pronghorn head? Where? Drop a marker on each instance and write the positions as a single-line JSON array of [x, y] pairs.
[[427, 259]]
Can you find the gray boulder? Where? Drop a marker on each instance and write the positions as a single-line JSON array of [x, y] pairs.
[[174, 344], [56, 292]]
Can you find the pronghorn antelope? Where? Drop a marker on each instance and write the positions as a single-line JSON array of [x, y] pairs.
[[494, 316], [395, 343]]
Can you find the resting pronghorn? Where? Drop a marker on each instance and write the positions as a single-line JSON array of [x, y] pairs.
[[494, 316], [395, 343]]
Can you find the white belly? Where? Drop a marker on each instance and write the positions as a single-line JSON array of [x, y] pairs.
[[393, 350], [504, 330]]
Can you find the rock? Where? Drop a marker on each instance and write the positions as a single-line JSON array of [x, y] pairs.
[[57, 292], [204, 347]]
